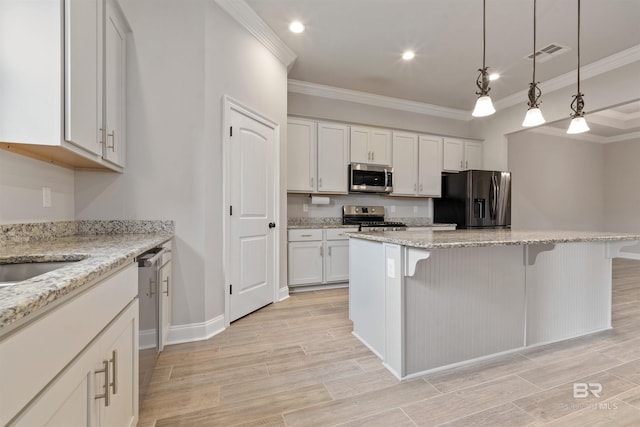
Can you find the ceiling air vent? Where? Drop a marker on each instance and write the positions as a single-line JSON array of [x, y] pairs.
[[549, 51]]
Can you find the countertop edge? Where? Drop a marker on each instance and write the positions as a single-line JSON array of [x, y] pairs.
[[38, 295]]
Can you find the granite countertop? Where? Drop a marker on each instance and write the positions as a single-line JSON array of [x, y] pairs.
[[98, 255], [475, 238], [336, 222]]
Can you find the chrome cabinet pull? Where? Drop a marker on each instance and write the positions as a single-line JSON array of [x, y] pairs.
[[373, 155], [113, 139], [466, 165], [106, 396], [415, 189], [329, 250], [420, 187], [151, 285], [321, 251], [319, 182], [311, 181], [103, 136], [114, 383], [167, 282], [461, 164]]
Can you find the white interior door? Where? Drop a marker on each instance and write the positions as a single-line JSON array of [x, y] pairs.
[[252, 191]]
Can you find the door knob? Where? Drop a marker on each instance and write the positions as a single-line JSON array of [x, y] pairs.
[[272, 225]]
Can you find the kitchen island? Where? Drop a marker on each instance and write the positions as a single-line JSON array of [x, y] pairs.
[[423, 301]]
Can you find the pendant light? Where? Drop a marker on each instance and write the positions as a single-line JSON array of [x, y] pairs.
[[484, 106], [534, 115], [578, 123]]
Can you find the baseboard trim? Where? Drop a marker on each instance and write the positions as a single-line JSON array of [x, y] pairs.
[[196, 331], [309, 288], [284, 293], [629, 255]]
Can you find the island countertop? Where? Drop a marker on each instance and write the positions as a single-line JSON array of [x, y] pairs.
[[98, 256], [487, 237]]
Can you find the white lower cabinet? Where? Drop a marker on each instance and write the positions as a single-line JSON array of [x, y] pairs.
[[81, 367], [318, 256]]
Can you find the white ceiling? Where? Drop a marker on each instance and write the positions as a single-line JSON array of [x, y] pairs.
[[356, 44]]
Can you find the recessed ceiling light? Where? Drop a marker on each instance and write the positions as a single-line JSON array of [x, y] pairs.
[[296, 27], [494, 76], [407, 55]]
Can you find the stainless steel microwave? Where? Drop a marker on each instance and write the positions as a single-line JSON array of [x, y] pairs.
[[370, 178]]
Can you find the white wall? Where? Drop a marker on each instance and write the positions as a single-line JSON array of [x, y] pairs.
[[558, 183], [621, 194], [184, 57], [21, 182]]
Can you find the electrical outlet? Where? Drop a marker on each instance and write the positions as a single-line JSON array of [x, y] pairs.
[[415, 209], [393, 209], [305, 207], [46, 197]]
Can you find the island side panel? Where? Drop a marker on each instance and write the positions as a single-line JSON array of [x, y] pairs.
[[464, 303], [367, 293], [568, 292]]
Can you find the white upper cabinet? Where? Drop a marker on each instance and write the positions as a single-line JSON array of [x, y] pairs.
[[54, 106], [317, 157], [114, 85], [429, 166], [417, 166], [370, 146], [333, 158], [301, 155], [405, 164], [461, 155]]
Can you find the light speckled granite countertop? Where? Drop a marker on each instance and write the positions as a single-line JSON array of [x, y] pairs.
[[475, 238], [99, 255], [336, 222]]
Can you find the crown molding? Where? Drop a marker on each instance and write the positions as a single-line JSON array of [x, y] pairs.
[[249, 19], [331, 92], [611, 62], [554, 131]]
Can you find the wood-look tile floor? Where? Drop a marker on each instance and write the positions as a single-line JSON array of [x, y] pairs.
[[296, 363]]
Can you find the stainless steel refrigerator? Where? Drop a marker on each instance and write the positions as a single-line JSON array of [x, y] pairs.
[[475, 199]]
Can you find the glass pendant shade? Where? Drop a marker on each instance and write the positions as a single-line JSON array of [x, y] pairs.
[[533, 118], [578, 125], [484, 107]]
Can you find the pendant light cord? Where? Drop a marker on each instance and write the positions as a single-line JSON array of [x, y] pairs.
[[484, 31], [578, 46], [534, 41]]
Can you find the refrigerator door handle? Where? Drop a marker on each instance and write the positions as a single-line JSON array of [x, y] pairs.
[[493, 203]]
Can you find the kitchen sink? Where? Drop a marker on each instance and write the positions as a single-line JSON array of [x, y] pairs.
[[10, 274]]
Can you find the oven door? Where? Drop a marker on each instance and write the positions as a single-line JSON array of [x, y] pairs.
[[370, 179]]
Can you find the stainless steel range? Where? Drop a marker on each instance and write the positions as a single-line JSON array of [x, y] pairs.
[[369, 218]]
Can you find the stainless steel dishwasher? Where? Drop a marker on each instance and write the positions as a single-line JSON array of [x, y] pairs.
[[153, 295]]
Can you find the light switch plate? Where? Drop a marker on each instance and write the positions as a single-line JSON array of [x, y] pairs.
[[305, 207], [391, 268], [46, 197]]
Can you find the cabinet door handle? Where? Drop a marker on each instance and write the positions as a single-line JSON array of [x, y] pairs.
[[114, 360], [311, 182], [415, 188], [113, 139], [305, 235], [421, 187], [373, 155], [152, 284], [321, 251], [167, 282], [461, 164], [103, 136], [466, 164], [319, 182], [105, 395], [329, 250]]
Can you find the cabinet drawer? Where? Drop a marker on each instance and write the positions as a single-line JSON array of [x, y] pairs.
[[339, 233], [304, 235]]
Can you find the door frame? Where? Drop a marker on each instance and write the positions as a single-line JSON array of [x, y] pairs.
[[230, 104]]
